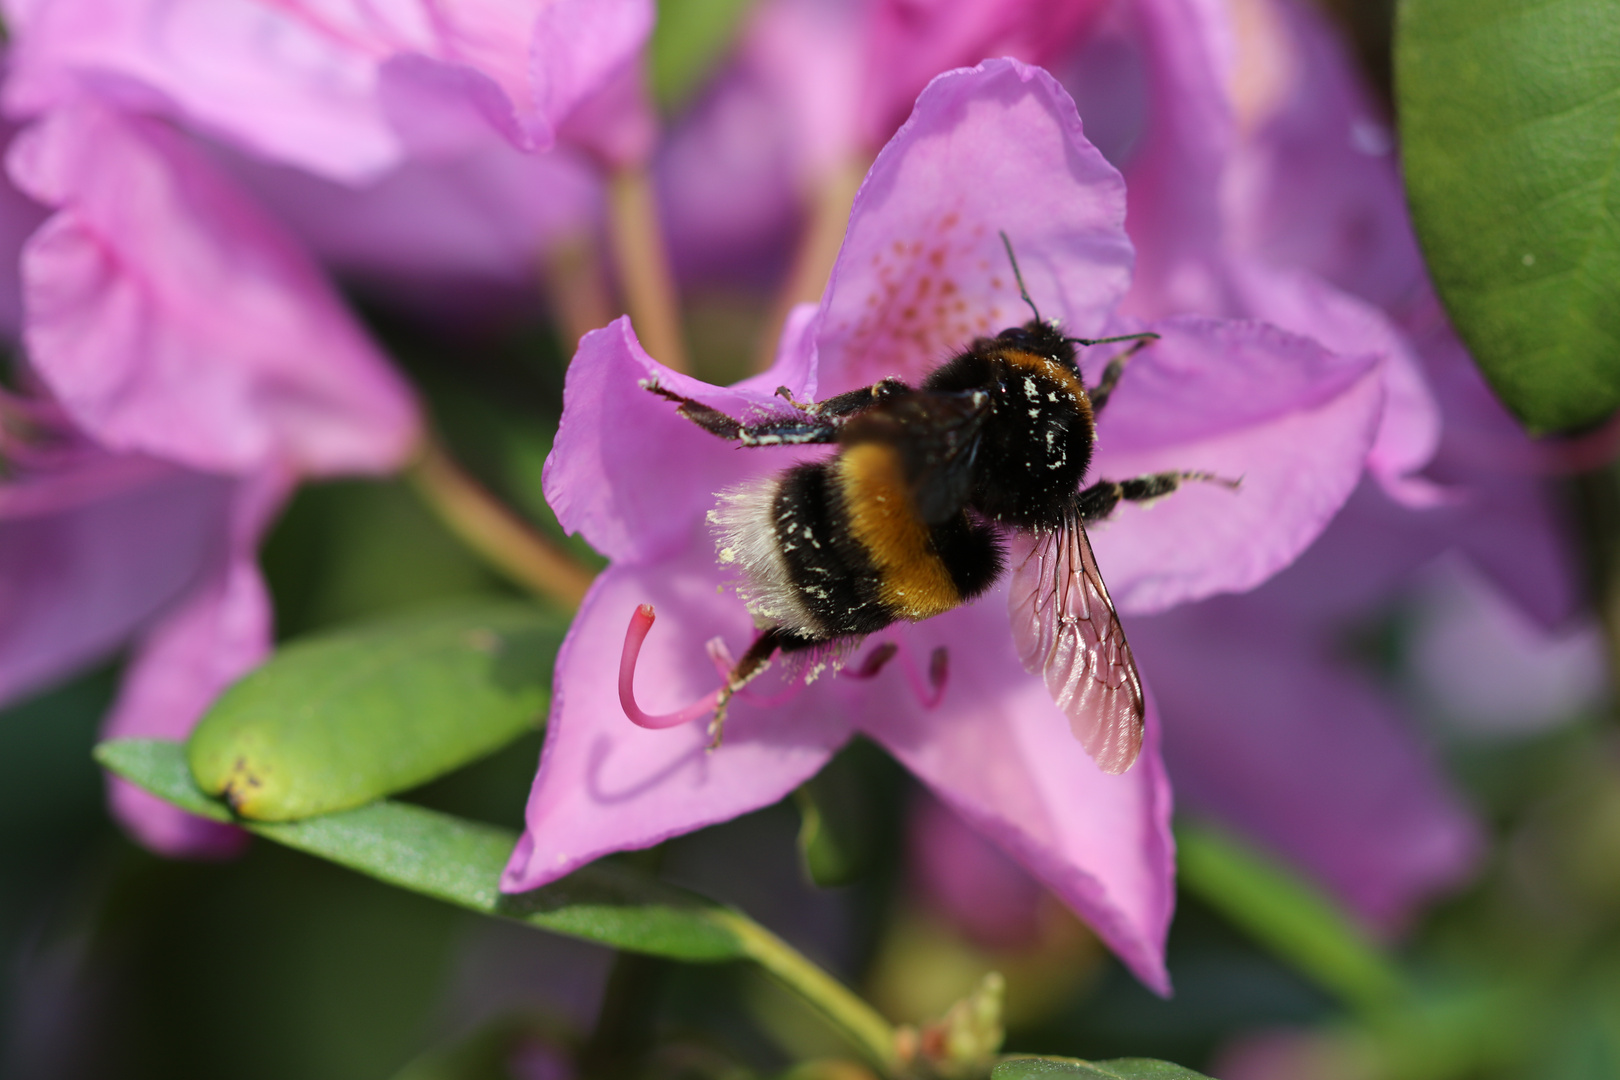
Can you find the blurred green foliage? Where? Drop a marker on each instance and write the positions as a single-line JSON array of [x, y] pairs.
[[690, 37]]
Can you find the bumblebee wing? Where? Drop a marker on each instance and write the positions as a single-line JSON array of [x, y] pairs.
[[937, 436], [1066, 629]]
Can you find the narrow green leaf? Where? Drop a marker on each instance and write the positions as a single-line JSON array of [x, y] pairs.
[[460, 862], [1292, 918], [1118, 1069], [690, 37], [1510, 135], [337, 720]]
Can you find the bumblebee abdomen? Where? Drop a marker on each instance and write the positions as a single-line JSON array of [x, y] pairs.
[[837, 549], [912, 579]]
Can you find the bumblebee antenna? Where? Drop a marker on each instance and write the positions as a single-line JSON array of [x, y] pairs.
[[1022, 291], [1145, 336]]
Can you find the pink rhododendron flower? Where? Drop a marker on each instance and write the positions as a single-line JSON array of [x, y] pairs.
[[169, 316], [922, 271], [1154, 84], [197, 365], [346, 90]]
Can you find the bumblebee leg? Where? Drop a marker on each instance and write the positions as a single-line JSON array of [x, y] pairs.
[[847, 404], [773, 431], [1104, 389], [1100, 499], [753, 662]]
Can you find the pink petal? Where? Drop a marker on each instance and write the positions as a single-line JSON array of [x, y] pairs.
[[344, 89], [728, 188], [909, 42], [227, 65], [606, 785], [922, 270], [583, 59], [629, 473], [219, 633], [1410, 431], [1268, 735], [445, 233], [1314, 184], [1000, 754], [171, 317], [1244, 401], [1487, 666], [1164, 61], [87, 558]]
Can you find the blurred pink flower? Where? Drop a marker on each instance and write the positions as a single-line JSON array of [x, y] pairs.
[[93, 545], [98, 548], [970, 881], [195, 364], [170, 317], [921, 271], [346, 90], [451, 236]]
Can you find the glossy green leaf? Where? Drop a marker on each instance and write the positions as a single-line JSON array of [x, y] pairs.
[[1118, 1069], [1510, 135], [460, 862], [338, 720], [1292, 918], [690, 38]]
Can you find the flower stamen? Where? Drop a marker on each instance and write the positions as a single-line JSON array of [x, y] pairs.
[[929, 693]]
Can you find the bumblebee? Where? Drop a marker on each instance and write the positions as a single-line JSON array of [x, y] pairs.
[[912, 516]]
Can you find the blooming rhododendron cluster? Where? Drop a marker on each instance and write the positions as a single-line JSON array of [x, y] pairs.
[[259, 259]]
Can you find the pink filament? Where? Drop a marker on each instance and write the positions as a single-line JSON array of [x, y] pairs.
[[640, 623], [929, 693]]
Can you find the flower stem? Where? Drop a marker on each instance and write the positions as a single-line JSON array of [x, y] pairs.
[[505, 541], [853, 1016], [571, 277], [643, 265], [818, 249]]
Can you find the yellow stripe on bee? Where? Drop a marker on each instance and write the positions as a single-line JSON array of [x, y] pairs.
[[914, 581]]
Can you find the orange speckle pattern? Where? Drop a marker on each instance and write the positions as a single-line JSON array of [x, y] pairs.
[[926, 297]]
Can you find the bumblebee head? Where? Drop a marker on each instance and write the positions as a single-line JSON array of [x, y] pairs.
[[1041, 337]]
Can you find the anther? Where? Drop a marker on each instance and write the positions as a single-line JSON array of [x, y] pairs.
[[875, 662], [640, 623]]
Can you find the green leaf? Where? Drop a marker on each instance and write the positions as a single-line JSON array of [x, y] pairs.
[[835, 830], [1118, 1069], [1292, 918], [460, 862], [337, 720], [689, 39], [1510, 134]]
